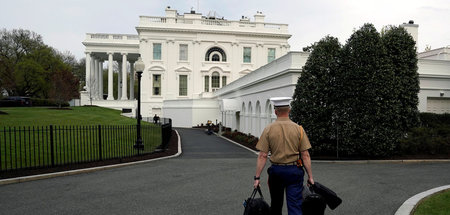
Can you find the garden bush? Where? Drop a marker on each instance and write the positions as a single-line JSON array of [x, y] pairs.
[[46, 102], [431, 138]]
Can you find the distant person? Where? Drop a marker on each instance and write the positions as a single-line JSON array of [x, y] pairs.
[[287, 142], [155, 119], [209, 131]]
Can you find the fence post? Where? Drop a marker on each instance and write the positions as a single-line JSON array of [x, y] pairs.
[[100, 142], [51, 146]]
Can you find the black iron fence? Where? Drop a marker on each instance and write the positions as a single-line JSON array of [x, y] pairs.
[[50, 146]]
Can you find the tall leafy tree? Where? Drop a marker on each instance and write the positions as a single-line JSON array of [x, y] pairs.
[[27, 64], [366, 90], [314, 101], [64, 87], [15, 45], [401, 51]]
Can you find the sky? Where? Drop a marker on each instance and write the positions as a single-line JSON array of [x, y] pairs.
[[63, 24]]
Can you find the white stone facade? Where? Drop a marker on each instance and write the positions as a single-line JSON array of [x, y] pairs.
[[186, 56], [202, 68]]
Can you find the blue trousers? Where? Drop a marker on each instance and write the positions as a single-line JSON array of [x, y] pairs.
[[289, 178]]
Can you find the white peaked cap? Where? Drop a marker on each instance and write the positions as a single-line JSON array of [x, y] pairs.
[[281, 101]]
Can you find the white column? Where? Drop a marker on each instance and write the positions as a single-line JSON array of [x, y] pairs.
[[110, 76], [95, 78], [119, 80], [100, 78], [88, 70], [131, 80], [92, 79], [124, 76]]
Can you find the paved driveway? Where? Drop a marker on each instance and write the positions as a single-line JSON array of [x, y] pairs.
[[212, 176]]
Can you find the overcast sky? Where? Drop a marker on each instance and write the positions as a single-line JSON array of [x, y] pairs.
[[64, 23]]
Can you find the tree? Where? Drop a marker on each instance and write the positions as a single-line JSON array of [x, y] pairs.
[[15, 45], [27, 64], [314, 101], [401, 51], [30, 78], [363, 95], [367, 96], [64, 87]]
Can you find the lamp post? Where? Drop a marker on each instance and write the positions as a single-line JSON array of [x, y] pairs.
[[139, 67]]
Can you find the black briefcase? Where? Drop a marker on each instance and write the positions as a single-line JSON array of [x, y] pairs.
[[313, 203], [330, 196], [256, 206]]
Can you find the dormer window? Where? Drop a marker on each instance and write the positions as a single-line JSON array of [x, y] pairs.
[[215, 54]]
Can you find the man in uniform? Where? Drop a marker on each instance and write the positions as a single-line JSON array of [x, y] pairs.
[[287, 142]]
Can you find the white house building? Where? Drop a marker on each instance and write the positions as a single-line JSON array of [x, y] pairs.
[[186, 56], [200, 68]]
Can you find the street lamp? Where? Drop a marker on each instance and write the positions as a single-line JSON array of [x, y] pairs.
[[139, 67]]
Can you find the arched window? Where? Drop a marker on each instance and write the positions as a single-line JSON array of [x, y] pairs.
[[215, 54], [215, 57]]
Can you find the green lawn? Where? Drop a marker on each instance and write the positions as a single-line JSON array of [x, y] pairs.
[[437, 204], [38, 116], [79, 135]]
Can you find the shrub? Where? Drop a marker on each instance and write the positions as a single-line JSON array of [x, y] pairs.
[[431, 138], [47, 102]]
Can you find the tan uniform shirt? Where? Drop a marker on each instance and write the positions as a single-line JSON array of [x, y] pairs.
[[282, 139]]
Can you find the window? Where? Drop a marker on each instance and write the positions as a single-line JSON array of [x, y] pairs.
[[247, 54], [224, 81], [183, 52], [215, 80], [183, 85], [271, 55], [206, 83], [156, 51], [156, 85], [210, 54], [215, 57]]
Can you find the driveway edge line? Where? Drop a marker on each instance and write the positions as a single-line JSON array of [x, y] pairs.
[[87, 170], [409, 205], [256, 153]]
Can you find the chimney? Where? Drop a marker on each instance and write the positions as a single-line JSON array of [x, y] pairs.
[[171, 12], [259, 17], [413, 30]]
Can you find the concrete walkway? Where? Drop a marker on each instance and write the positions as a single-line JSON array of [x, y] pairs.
[[213, 176]]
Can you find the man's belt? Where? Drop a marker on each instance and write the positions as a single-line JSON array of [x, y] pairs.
[[285, 164]]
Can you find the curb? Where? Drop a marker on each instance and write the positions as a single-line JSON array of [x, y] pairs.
[[409, 205], [255, 152], [87, 170], [354, 161]]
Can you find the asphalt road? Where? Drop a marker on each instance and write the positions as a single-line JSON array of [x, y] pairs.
[[213, 176]]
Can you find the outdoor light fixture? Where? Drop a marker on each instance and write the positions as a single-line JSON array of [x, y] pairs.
[[139, 67]]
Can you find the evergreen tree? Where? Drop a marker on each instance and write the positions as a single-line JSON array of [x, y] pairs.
[[366, 91], [401, 51], [314, 99]]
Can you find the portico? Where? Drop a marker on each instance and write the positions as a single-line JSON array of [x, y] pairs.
[[110, 48]]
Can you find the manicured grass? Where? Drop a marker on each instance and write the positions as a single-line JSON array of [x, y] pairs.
[[437, 204], [39, 116], [79, 135]]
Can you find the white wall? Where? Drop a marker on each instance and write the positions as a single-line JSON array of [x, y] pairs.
[[434, 76], [191, 112]]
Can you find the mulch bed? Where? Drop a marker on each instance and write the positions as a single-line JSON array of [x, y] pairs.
[[171, 150], [395, 157]]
